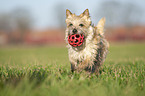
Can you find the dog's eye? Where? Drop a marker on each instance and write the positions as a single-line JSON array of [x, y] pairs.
[[70, 24], [81, 25]]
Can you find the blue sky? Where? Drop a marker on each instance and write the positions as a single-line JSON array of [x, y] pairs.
[[44, 11]]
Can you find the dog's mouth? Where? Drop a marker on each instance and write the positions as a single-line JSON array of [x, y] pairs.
[[76, 39]]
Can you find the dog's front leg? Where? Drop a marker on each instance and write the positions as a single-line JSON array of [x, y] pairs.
[[73, 68], [73, 65]]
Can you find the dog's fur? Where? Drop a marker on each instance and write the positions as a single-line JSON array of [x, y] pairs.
[[91, 54]]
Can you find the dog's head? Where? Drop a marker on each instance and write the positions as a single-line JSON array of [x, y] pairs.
[[77, 24]]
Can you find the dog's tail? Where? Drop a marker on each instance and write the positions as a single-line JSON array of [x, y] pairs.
[[100, 27]]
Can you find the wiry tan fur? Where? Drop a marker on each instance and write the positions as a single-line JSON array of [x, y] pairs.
[[91, 54]]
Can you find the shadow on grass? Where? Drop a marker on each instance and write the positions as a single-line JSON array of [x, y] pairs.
[[15, 75], [35, 75], [38, 75]]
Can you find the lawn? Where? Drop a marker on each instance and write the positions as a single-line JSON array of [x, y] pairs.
[[45, 71]]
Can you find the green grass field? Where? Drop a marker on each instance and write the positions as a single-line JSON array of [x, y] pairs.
[[45, 71]]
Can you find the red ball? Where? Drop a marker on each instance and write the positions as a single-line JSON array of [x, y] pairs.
[[76, 40]]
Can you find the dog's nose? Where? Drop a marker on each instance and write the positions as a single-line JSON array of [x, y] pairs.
[[75, 31]]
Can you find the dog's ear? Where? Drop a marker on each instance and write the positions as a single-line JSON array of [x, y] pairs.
[[100, 26], [68, 13], [85, 13]]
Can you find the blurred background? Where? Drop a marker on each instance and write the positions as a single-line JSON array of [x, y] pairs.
[[35, 22]]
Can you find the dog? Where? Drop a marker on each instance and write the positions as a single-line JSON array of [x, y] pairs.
[[92, 52]]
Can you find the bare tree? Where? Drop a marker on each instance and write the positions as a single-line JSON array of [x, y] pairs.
[[60, 12], [132, 14], [119, 13], [5, 22], [109, 9], [22, 20]]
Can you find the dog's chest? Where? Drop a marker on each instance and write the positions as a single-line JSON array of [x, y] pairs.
[[89, 52]]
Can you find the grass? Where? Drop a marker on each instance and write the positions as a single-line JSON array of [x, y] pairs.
[[45, 71]]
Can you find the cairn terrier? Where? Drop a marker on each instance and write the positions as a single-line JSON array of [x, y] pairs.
[[92, 52]]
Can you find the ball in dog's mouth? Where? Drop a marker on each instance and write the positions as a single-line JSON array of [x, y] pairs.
[[76, 40]]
